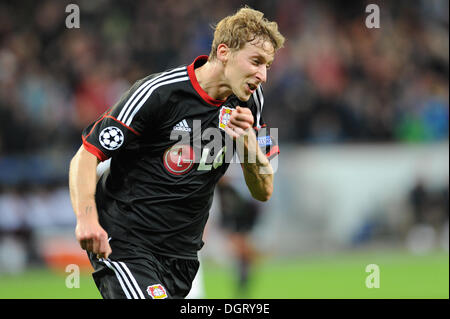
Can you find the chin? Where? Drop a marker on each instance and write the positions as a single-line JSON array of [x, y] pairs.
[[241, 94], [243, 98]]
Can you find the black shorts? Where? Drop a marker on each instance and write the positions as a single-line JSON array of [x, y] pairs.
[[150, 277]]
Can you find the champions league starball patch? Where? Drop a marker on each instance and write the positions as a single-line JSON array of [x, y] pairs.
[[224, 116], [111, 138], [157, 291]]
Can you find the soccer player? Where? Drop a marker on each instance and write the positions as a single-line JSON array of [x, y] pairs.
[[142, 221]]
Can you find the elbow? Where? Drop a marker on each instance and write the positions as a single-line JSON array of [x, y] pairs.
[[264, 196]]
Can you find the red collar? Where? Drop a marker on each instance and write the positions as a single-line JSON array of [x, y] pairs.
[[200, 60]]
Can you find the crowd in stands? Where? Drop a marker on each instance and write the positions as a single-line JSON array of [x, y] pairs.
[[335, 81]]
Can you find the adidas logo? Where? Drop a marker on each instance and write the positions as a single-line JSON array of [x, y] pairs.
[[182, 126]]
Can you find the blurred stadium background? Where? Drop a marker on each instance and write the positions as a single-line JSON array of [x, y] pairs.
[[362, 119]]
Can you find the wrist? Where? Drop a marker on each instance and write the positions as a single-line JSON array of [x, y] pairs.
[[87, 212]]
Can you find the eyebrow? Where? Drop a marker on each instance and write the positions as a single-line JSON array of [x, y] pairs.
[[260, 56]]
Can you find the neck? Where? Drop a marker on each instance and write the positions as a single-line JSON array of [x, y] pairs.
[[210, 77]]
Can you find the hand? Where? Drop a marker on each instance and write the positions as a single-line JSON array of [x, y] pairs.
[[93, 238], [241, 120]]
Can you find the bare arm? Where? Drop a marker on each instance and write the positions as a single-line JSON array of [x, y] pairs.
[[258, 172], [82, 184]]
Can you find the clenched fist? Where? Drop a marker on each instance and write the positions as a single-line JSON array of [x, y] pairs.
[[240, 121], [92, 237]]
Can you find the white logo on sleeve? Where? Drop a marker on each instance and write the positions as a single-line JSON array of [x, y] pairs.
[[111, 138]]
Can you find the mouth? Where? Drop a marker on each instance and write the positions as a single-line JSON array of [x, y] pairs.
[[251, 87]]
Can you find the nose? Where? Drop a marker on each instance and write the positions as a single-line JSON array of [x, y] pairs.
[[261, 75]]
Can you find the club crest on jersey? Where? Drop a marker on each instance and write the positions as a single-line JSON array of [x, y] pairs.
[[179, 159], [111, 138], [224, 116], [157, 291]]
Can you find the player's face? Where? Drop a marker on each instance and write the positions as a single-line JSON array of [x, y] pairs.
[[247, 68]]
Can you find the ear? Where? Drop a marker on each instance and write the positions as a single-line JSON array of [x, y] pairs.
[[223, 52]]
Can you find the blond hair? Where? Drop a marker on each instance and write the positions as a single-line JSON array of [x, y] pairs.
[[245, 26]]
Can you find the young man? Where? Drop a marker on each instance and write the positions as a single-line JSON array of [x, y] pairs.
[[142, 222]]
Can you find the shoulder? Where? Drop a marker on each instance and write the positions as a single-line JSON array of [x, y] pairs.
[[162, 83]]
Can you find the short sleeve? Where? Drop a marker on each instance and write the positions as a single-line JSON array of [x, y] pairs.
[[123, 123]]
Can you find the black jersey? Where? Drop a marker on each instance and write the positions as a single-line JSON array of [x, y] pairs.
[[162, 138]]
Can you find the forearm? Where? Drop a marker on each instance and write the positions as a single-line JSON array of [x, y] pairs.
[[258, 172], [82, 183]]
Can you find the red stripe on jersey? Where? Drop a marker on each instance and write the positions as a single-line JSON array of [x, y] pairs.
[[92, 129], [273, 151], [94, 150], [132, 130], [196, 85]]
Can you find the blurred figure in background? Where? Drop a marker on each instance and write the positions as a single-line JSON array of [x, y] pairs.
[[238, 216], [17, 249], [430, 218]]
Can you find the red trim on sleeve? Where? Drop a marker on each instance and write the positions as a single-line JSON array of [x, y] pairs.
[[196, 85], [92, 129], [273, 152], [94, 150], [106, 115], [132, 130]]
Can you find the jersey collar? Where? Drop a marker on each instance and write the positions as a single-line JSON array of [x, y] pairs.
[[200, 60]]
